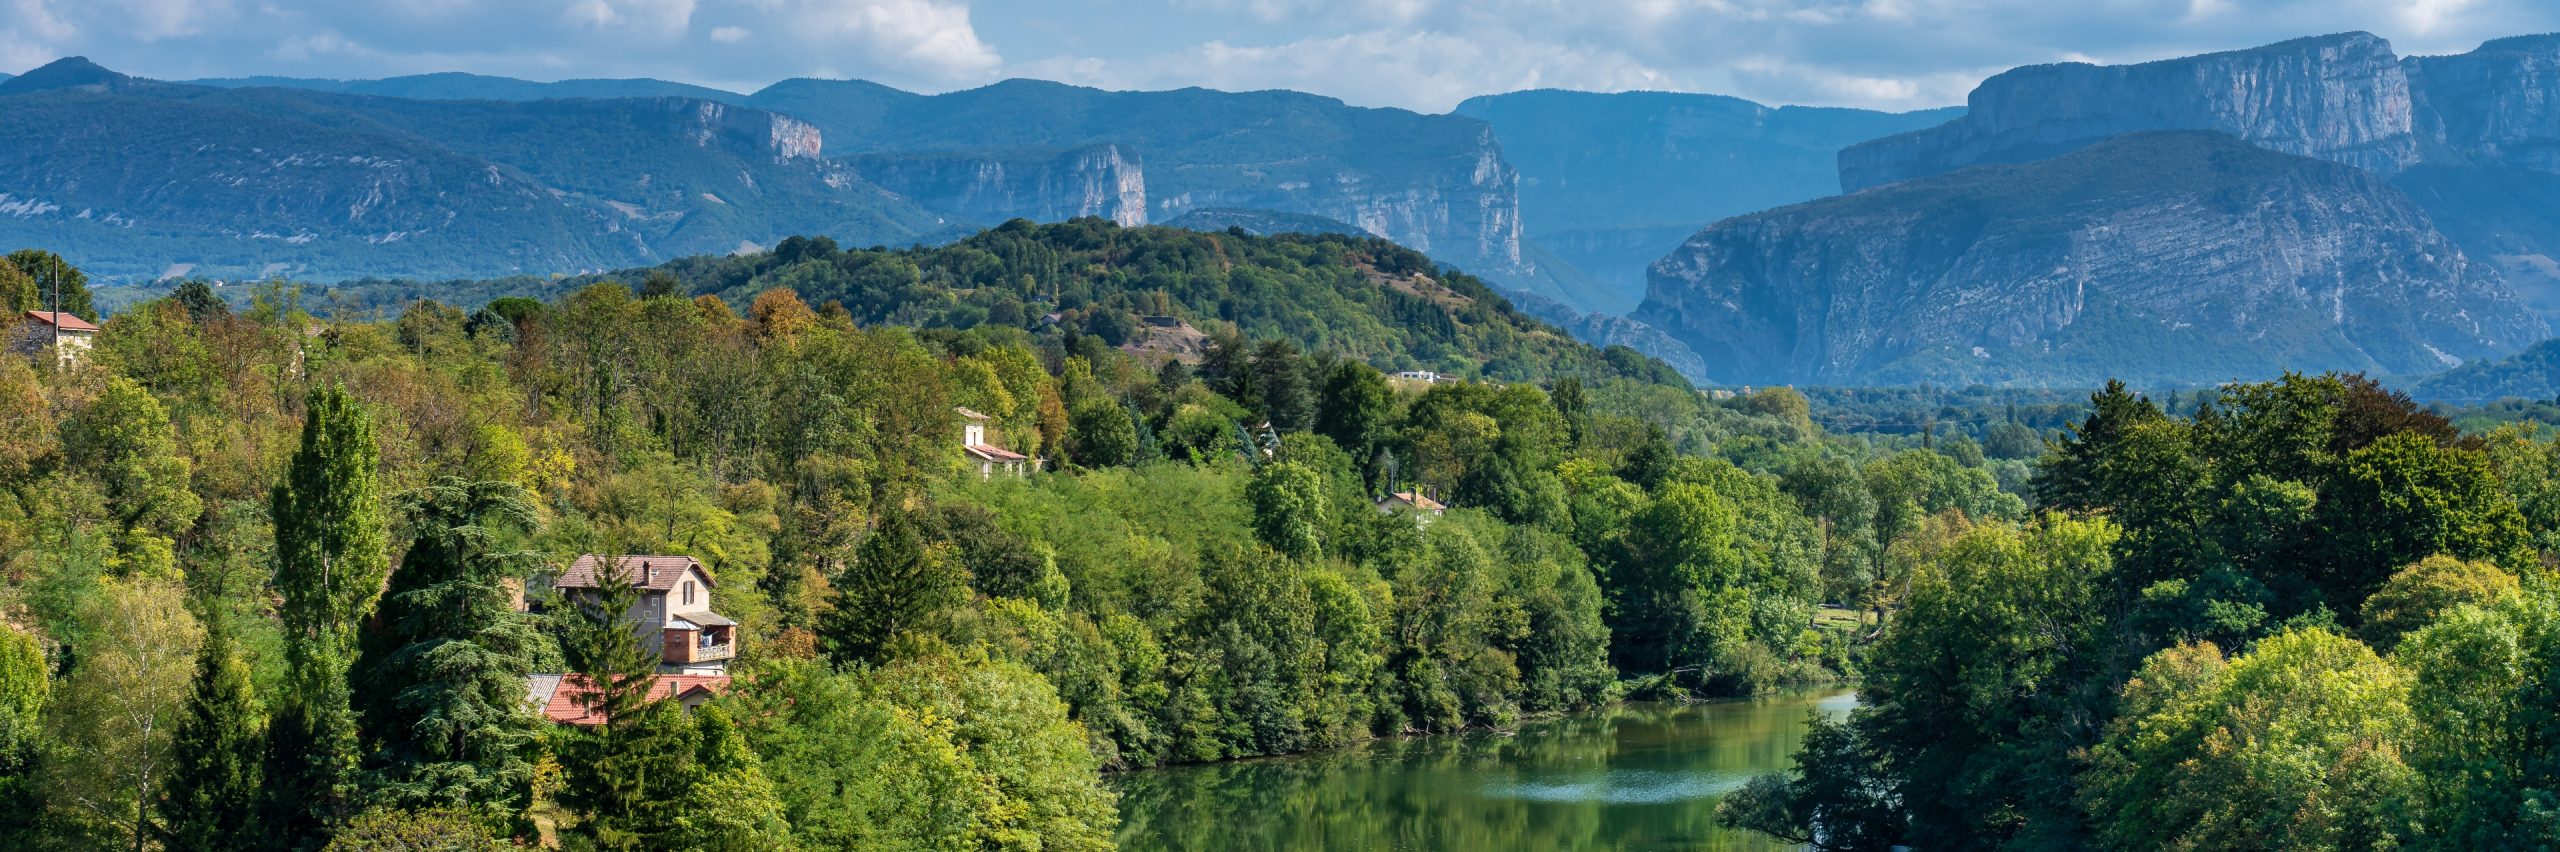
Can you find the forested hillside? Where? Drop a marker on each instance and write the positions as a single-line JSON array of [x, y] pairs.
[[1349, 294], [2309, 616], [259, 561]]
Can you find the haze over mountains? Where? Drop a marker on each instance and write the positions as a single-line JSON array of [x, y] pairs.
[[2194, 262], [2349, 208]]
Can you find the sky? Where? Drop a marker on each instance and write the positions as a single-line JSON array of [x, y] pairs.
[[1418, 54]]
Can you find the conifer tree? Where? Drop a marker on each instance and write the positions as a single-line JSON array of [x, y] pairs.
[[211, 801], [443, 672], [624, 776], [896, 585]]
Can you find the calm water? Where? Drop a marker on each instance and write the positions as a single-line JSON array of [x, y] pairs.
[[1636, 777]]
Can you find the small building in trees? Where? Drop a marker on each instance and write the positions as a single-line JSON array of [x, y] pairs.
[[1414, 502], [37, 331], [984, 455], [563, 698], [673, 615]]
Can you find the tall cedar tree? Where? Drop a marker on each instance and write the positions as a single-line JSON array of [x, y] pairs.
[[622, 777], [331, 562], [896, 585], [211, 801], [445, 660]]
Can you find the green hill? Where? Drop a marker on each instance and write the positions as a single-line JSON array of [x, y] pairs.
[[1356, 295]]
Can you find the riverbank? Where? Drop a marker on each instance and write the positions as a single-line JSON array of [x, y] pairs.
[[1633, 776]]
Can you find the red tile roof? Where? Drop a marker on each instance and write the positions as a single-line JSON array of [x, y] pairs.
[[994, 453], [68, 322], [653, 573], [1415, 500], [562, 704]]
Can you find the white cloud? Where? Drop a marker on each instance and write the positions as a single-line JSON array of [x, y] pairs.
[[1428, 71], [931, 38], [651, 17], [1423, 54]]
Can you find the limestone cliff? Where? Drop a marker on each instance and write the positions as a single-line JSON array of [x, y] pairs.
[[2156, 257], [2341, 97], [987, 188]]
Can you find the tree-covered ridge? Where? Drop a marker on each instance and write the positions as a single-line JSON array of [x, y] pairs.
[[259, 562], [2312, 615], [1358, 296]]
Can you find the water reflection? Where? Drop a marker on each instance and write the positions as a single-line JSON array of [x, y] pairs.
[[1636, 777]]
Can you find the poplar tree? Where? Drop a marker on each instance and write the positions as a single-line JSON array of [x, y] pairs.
[[331, 561], [331, 544], [211, 801]]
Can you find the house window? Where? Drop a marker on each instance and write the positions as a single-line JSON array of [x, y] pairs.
[[688, 593]]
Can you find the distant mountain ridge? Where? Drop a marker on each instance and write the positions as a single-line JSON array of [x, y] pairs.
[[642, 170], [2474, 137], [1612, 182], [2158, 258], [140, 179]]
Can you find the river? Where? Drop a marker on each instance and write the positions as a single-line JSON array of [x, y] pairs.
[[1632, 778]]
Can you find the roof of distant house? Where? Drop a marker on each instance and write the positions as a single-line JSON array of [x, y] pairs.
[[559, 696], [995, 453], [968, 413], [1414, 499], [653, 573], [67, 322]]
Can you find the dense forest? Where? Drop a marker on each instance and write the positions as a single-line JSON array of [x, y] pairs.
[[261, 555], [2309, 615]]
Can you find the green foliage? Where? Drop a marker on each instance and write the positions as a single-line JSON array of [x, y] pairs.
[[1100, 434], [1997, 635], [624, 777], [332, 553], [1289, 509], [114, 714], [897, 587], [2422, 593], [211, 800], [1833, 799], [444, 670], [930, 754], [2483, 689], [2297, 744], [46, 275], [123, 439], [434, 830]]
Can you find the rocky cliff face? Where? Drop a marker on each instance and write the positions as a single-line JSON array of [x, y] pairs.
[[138, 179], [2342, 97], [989, 188], [2157, 257], [2498, 104], [1437, 183]]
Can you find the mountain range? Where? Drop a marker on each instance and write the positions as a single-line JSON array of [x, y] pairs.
[[2321, 203], [2343, 208]]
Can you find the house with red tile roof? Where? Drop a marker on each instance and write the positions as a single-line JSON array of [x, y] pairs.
[[673, 615], [986, 456], [564, 699], [1421, 505], [37, 332]]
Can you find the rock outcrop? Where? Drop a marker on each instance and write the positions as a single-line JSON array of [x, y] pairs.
[[1436, 183], [2174, 257], [2499, 104], [2341, 97], [1048, 186], [1610, 182]]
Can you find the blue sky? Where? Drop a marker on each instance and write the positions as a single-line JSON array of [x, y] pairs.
[[1418, 54]]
